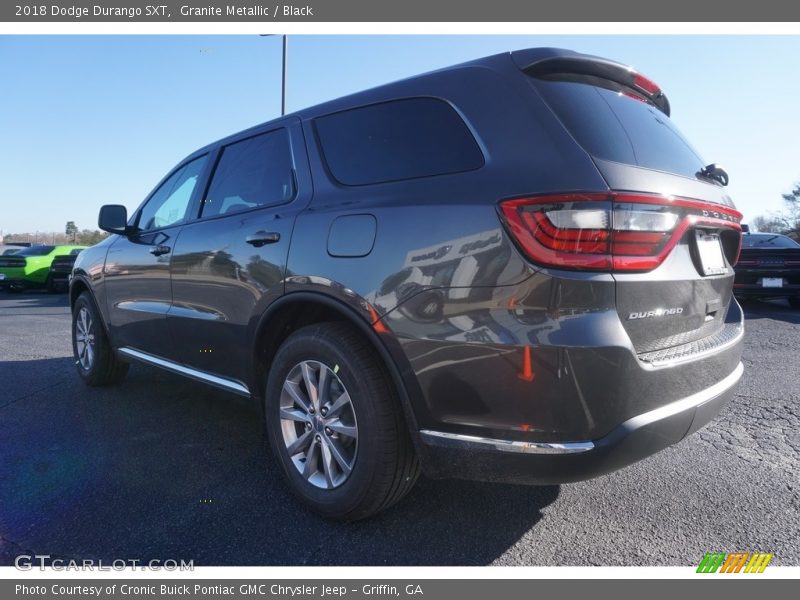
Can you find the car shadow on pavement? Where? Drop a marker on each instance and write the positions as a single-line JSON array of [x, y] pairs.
[[165, 468], [778, 310], [13, 302], [442, 522]]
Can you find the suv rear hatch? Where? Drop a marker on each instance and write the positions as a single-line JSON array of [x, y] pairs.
[[666, 230]]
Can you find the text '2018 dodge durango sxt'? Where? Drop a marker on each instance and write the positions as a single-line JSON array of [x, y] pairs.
[[515, 269]]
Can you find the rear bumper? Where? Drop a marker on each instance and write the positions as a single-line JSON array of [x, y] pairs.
[[540, 382], [748, 282], [19, 277], [747, 290], [15, 282], [60, 276], [449, 455]]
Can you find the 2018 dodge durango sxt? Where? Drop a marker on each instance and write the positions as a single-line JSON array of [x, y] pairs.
[[514, 269]]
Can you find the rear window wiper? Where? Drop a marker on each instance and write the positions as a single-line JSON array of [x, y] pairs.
[[714, 172]]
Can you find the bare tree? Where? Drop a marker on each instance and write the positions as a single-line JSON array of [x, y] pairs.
[[791, 213], [786, 221], [767, 224]]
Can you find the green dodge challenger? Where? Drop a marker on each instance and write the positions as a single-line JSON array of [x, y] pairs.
[[30, 267]]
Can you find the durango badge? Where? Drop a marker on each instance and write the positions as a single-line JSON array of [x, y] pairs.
[[659, 312]]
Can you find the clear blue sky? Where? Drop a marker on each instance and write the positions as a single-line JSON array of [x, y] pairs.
[[88, 120]]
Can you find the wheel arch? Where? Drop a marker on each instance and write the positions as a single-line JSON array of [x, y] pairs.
[[298, 309], [77, 286]]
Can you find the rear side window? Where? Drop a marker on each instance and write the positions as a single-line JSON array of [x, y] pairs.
[[611, 125], [397, 140], [252, 173], [36, 251]]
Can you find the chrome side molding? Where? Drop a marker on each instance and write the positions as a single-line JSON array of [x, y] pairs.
[[221, 382]]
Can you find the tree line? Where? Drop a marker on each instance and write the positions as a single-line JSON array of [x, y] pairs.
[[71, 235], [785, 221]]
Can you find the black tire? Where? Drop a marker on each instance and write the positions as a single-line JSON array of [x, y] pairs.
[[105, 368], [794, 302], [384, 466], [50, 285]]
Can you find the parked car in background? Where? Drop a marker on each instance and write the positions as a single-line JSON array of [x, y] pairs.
[[30, 267], [12, 247], [60, 270], [516, 269], [768, 267]]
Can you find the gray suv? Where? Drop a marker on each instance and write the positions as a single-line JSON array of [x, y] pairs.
[[515, 269]]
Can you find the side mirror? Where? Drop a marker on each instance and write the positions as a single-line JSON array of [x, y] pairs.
[[113, 219]]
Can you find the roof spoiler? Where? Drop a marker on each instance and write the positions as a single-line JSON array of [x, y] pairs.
[[549, 61]]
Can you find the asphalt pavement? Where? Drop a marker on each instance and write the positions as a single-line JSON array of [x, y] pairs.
[[164, 468]]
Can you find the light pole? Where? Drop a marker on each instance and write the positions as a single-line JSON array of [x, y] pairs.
[[283, 74], [285, 46]]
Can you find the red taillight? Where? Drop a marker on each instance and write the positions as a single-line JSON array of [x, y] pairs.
[[608, 231]]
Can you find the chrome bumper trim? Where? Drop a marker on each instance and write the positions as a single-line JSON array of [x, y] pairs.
[[508, 445], [673, 408], [692, 401]]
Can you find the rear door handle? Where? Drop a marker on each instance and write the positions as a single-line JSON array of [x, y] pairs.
[[159, 250], [262, 238]]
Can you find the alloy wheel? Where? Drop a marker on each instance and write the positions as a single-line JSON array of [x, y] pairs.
[[84, 338], [319, 425]]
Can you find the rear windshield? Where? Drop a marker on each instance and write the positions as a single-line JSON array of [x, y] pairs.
[[768, 241], [611, 125], [36, 251]]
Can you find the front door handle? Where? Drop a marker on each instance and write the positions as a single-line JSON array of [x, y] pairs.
[[159, 250], [261, 238]]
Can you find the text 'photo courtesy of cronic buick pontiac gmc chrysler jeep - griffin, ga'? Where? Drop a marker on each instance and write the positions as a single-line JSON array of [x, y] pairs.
[[515, 269]]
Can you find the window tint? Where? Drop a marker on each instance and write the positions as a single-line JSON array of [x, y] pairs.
[[613, 126], [255, 172], [76, 251], [402, 139], [768, 241], [168, 205], [36, 251]]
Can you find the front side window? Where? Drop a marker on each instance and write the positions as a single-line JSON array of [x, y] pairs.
[[170, 202], [252, 173]]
